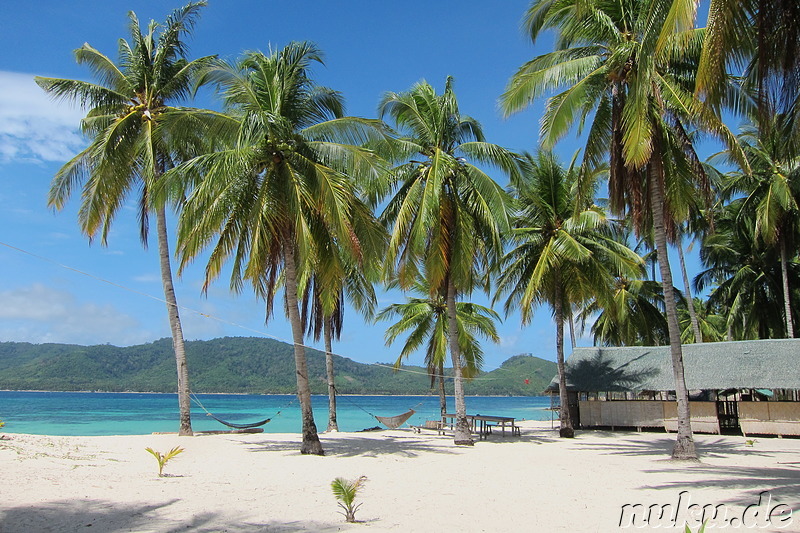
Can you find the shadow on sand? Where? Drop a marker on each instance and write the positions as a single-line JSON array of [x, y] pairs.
[[782, 482], [402, 443], [109, 517], [622, 444]]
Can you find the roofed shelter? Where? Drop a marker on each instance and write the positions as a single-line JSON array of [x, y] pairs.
[[747, 386]]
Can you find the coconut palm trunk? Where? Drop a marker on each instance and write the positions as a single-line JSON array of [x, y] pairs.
[[571, 322], [311, 443], [566, 430], [184, 402], [442, 393], [684, 446], [328, 334], [126, 109], [787, 302], [463, 433], [698, 335]]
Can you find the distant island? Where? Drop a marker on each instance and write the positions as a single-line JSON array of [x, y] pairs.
[[235, 365]]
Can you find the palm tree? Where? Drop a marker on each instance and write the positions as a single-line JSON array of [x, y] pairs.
[[772, 190], [563, 253], [278, 199], [762, 37], [631, 315], [712, 325], [694, 321], [629, 66], [128, 152], [323, 318], [745, 275], [446, 213], [323, 315], [426, 322]]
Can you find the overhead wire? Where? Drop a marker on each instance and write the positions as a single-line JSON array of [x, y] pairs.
[[225, 321]]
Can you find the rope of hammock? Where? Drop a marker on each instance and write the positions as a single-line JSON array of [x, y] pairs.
[[392, 422], [238, 426]]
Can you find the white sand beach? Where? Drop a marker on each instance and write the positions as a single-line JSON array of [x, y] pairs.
[[416, 482]]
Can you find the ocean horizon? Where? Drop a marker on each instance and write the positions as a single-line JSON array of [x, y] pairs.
[[140, 413]]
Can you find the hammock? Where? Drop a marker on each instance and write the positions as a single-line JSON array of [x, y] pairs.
[[230, 424], [239, 426], [394, 422]]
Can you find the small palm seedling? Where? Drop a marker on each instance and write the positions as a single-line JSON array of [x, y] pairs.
[[346, 491], [162, 458], [701, 530]]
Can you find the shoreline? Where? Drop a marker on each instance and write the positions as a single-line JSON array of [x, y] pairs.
[[416, 482], [274, 394]]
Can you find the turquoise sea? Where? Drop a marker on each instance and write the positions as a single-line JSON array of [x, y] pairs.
[[108, 413]]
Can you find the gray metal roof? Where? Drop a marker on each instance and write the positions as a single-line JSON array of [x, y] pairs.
[[762, 364]]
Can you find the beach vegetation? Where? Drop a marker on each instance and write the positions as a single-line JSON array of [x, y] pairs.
[[424, 319], [712, 324], [769, 194], [745, 277], [163, 458], [128, 150], [628, 68], [759, 40], [288, 194], [322, 310], [277, 195], [345, 492], [562, 253], [445, 214], [702, 528], [236, 365]]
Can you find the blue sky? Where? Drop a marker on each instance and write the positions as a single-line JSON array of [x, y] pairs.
[[370, 47]]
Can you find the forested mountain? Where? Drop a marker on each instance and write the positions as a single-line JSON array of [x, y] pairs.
[[234, 365]]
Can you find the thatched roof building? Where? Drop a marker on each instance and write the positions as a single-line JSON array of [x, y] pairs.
[[751, 387], [763, 364]]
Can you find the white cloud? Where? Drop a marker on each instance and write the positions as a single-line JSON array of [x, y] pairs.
[[38, 314], [32, 126], [202, 323], [509, 341]]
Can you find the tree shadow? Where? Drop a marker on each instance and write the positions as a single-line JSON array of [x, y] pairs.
[[100, 515], [533, 436], [395, 442], [112, 517], [719, 448], [598, 374], [782, 482], [352, 445]]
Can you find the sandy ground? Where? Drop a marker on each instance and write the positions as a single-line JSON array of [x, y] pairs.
[[416, 482]]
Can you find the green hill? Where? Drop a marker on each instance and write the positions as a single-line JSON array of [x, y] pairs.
[[234, 365]]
